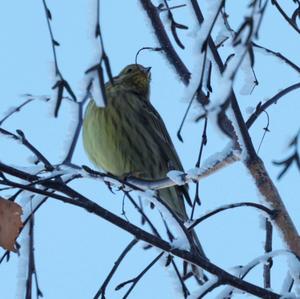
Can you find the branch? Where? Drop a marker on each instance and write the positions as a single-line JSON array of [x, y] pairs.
[[212, 165], [268, 248], [61, 84], [278, 55], [135, 280], [164, 41], [21, 138], [74, 141], [243, 271], [262, 107], [255, 164], [285, 16], [271, 213], [31, 265], [191, 257], [117, 263], [174, 25], [15, 110]]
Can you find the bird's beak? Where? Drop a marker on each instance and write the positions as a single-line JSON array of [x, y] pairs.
[[147, 70]]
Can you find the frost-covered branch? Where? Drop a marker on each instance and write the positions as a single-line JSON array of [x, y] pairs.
[[95, 73], [274, 100], [173, 24], [253, 162], [164, 41], [243, 271], [80, 105], [216, 162], [32, 271], [73, 197], [61, 84], [20, 136]]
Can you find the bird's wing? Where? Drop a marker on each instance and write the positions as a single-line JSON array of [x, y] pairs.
[[161, 132], [150, 115]]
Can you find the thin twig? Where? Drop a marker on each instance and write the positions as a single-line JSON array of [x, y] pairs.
[[94, 208], [136, 279], [31, 264], [285, 16], [203, 143], [164, 41], [61, 84], [268, 248], [266, 210], [70, 152], [21, 137], [262, 107], [117, 263], [278, 55], [15, 110]]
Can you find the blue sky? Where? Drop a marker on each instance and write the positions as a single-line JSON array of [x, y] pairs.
[[74, 249]]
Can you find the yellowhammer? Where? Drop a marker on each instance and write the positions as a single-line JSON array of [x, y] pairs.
[[128, 137]]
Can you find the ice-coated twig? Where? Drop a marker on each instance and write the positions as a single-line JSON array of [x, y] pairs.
[[185, 290], [174, 25], [288, 284], [61, 84], [206, 288], [32, 271], [244, 270], [202, 45], [103, 55], [21, 137], [203, 143], [23, 262], [211, 165], [145, 217], [73, 197], [164, 41], [254, 164], [69, 155], [95, 72]]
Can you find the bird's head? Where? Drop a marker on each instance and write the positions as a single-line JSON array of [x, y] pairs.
[[135, 77]]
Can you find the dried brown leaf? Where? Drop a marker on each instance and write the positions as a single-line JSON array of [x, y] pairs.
[[10, 223]]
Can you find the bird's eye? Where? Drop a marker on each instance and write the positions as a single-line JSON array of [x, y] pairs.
[[129, 70]]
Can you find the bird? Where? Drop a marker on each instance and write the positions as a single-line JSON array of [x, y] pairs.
[[128, 137]]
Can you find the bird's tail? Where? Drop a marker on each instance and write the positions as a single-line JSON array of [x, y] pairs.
[[176, 202], [197, 271], [199, 247]]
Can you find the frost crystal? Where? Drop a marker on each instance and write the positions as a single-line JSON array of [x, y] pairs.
[[176, 176]]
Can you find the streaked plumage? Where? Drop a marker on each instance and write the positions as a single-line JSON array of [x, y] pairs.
[[128, 137]]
